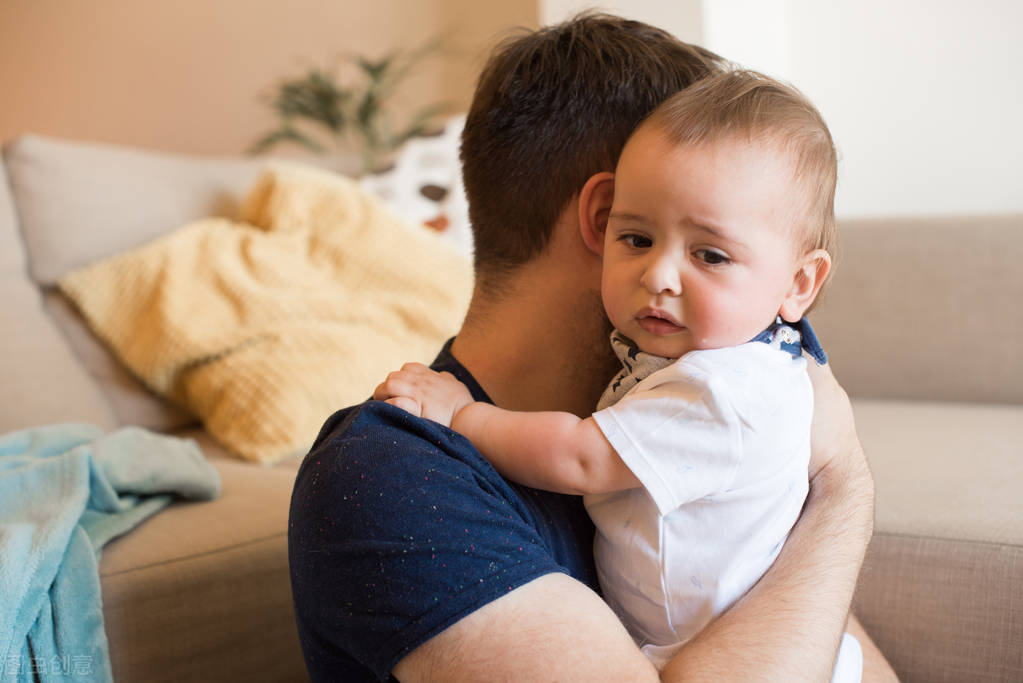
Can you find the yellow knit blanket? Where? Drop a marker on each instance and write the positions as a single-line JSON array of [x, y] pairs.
[[263, 328]]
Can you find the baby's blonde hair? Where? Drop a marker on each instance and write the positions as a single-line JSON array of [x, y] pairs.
[[749, 104]]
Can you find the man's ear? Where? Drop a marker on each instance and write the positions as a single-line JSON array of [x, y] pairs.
[[813, 271], [594, 206]]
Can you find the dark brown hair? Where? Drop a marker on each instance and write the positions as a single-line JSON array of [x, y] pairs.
[[759, 108], [553, 107]]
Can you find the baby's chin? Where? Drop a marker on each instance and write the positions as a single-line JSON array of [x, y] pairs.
[[667, 347], [678, 345]]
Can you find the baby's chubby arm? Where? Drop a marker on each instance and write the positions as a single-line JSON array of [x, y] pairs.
[[546, 450], [553, 451]]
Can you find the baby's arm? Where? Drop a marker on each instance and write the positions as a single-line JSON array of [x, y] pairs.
[[546, 450]]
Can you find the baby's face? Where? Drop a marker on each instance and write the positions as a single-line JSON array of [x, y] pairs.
[[699, 251]]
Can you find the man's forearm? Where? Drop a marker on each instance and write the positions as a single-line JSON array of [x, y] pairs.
[[789, 625]]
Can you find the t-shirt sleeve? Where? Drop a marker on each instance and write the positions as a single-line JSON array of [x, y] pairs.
[[679, 434], [398, 529]]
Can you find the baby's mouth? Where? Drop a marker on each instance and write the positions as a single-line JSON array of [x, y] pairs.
[[658, 322]]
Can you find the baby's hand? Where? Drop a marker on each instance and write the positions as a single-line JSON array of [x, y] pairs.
[[437, 396]]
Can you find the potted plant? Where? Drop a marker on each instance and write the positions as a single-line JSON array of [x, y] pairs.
[[320, 112]]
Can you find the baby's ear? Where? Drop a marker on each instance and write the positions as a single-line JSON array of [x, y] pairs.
[[594, 207], [809, 277]]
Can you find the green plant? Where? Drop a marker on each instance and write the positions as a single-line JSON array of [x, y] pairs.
[[319, 112]]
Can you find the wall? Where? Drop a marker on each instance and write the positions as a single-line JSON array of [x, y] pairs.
[[682, 18], [186, 76], [924, 97]]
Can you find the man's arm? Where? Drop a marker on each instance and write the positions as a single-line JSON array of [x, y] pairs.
[[789, 625], [553, 628], [876, 668]]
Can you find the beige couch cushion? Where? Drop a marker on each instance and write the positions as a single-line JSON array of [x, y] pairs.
[[948, 538], [132, 402], [42, 381], [201, 581], [946, 470], [944, 611], [952, 284], [81, 202], [12, 250]]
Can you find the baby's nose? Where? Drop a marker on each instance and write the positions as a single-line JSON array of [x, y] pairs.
[[662, 277]]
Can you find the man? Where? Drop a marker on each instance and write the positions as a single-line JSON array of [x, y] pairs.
[[411, 556]]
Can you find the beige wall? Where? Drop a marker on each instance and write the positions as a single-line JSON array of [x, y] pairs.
[[186, 76]]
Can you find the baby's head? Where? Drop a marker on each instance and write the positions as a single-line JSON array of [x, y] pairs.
[[723, 216]]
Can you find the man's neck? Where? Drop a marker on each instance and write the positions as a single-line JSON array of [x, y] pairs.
[[534, 350]]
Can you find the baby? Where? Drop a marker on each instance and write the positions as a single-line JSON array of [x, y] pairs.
[[694, 466]]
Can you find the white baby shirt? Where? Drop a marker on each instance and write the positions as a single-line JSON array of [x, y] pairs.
[[720, 440]]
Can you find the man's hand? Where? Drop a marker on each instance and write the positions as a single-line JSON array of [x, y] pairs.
[[436, 396]]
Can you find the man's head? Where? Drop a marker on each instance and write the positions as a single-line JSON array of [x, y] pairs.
[[553, 107], [722, 217]]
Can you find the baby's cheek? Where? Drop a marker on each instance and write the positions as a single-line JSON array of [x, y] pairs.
[[721, 321], [613, 306]]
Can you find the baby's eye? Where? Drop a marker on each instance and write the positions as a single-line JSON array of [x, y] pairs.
[[711, 257], [636, 241]]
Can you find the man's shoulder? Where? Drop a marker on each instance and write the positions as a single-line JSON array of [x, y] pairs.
[[385, 436], [376, 435], [376, 466], [403, 523], [369, 422]]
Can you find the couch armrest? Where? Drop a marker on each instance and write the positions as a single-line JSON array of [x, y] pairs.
[[42, 381]]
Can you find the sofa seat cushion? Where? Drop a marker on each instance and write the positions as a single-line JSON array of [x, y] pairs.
[[202, 580], [945, 470], [948, 538]]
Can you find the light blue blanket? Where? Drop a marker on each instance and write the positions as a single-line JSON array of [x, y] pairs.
[[65, 490]]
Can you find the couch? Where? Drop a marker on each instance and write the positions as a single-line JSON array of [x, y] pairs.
[[922, 322]]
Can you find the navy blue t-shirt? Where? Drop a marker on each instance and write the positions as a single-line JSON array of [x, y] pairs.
[[399, 528]]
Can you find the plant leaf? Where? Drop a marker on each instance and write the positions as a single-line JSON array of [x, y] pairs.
[[360, 107], [315, 97], [284, 134], [376, 70]]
